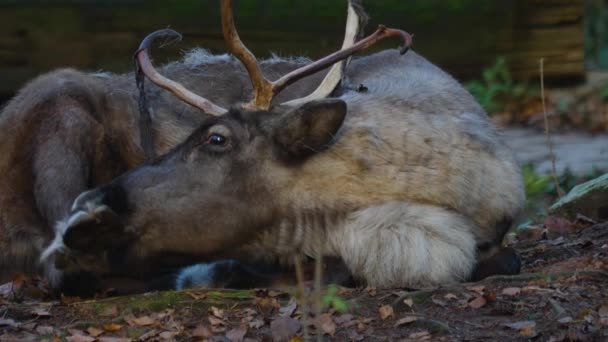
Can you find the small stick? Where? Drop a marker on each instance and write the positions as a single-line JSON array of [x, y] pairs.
[[303, 301], [560, 192]]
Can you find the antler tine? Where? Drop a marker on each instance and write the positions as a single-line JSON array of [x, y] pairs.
[[355, 19], [145, 66], [261, 86], [381, 33]]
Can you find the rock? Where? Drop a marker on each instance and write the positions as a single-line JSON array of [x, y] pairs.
[[589, 199]]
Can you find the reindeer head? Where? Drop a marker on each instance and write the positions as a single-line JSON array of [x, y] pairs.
[[217, 189]]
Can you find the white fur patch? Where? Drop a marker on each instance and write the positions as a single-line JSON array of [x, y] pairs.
[[199, 56], [401, 244], [199, 275], [47, 258]]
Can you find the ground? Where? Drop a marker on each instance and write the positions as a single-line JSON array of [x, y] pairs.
[[560, 295]]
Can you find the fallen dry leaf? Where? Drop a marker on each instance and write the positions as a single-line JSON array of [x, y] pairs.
[[479, 289], [284, 328], [511, 291], [202, 330], [80, 338], [237, 334], [565, 320], [112, 327], [520, 325], [219, 313], [214, 321], [256, 323], [409, 302], [94, 331], [372, 291], [41, 311], [385, 311], [45, 330], [327, 324], [344, 319], [168, 335], [296, 339], [450, 296], [406, 320], [114, 339], [421, 336], [143, 321], [558, 226], [478, 302]]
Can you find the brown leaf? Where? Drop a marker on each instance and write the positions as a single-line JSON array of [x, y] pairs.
[[112, 327], [114, 339], [219, 313], [284, 328], [511, 291], [143, 321], [478, 302], [94, 331], [327, 324], [215, 321], [520, 325], [45, 330], [168, 335], [237, 334], [421, 336], [406, 320], [450, 296], [344, 319], [202, 330], [409, 302], [41, 311], [479, 289], [80, 338], [371, 291], [385, 311], [439, 302], [558, 226], [296, 339]]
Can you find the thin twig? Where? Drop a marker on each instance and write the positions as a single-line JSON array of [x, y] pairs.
[[560, 192], [302, 296], [317, 292]]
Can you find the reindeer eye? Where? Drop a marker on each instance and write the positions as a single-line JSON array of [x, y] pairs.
[[216, 139]]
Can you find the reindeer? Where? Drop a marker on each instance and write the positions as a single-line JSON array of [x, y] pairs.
[[404, 179], [68, 131]]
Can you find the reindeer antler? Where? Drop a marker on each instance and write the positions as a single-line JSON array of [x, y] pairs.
[[144, 65], [265, 90]]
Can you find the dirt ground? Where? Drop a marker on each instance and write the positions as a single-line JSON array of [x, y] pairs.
[[561, 295]]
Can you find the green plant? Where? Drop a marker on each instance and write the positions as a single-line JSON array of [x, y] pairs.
[[332, 298], [497, 89]]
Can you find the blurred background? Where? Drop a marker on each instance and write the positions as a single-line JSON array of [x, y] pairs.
[[493, 47]]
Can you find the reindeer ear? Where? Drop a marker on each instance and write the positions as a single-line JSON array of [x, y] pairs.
[[310, 128]]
